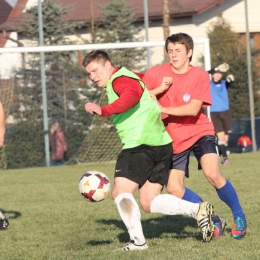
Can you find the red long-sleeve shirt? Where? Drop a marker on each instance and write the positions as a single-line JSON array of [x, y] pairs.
[[129, 91]]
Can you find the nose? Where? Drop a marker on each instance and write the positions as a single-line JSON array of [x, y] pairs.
[[92, 76], [172, 54]]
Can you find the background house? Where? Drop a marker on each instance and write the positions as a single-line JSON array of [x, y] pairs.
[[192, 17]]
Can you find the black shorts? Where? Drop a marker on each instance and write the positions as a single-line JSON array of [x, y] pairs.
[[206, 144], [145, 162], [221, 121]]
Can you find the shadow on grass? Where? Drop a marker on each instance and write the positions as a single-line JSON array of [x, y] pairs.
[[11, 214], [172, 226]]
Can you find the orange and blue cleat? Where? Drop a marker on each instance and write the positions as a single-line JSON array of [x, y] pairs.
[[219, 226], [239, 228]]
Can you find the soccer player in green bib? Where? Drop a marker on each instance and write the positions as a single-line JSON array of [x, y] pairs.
[[144, 161]]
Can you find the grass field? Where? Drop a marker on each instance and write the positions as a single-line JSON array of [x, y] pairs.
[[49, 220]]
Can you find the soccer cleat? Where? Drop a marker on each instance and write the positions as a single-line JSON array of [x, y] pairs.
[[4, 223], [219, 226], [239, 228], [132, 246], [204, 220], [219, 161], [226, 162]]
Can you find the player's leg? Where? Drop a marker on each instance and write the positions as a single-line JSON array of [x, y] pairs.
[[227, 126], [152, 201], [168, 204], [126, 182], [179, 169], [4, 223], [219, 130], [129, 212], [206, 154], [222, 145]]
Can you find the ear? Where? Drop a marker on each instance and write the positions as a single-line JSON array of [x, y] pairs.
[[108, 64], [190, 52]]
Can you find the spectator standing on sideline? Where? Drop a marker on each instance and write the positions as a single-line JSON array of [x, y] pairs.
[[3, 220], [182, 90], [58, 144], [144, 161], [219, 110]]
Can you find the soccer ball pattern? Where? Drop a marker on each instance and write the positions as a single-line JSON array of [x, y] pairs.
[[94, 186]]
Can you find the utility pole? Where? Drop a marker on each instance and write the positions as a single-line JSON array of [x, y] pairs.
[[44, 95], [146, 24], [166, 24], [250, 87]]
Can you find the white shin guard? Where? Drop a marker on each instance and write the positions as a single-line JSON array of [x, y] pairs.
[[130, 214], [171, 205]]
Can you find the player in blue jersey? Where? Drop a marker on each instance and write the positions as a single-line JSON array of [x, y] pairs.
[[219, 111]]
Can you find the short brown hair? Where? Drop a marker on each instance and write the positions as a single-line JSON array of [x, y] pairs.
[[95, 55], [181, 38]]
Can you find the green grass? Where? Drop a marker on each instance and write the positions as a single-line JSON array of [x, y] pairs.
[[49, 220]]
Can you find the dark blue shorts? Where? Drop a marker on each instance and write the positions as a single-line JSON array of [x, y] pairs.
[[206, 144], [145, 162]]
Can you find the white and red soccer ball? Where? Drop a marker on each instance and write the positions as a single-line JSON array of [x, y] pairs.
[[94, 186]]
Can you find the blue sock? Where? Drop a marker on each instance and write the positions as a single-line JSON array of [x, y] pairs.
[[191, 196], [228, 195]]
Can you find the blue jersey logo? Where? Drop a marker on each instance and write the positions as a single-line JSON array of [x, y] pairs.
[[186, 98]]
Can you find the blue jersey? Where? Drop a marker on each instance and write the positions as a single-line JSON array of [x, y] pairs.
[[219, 95]]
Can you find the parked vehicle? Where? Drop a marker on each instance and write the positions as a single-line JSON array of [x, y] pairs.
[[240, 140]]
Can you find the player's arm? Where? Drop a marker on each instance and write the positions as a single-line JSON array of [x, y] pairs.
[[190, 109], [2, 125], [129, 91], [93, 108], [229, 80], [165, 84]]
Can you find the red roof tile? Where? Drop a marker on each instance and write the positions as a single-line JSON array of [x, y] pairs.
[[7, 13], [82, 11]]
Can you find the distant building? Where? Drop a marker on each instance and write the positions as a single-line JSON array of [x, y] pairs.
[[192, 17]]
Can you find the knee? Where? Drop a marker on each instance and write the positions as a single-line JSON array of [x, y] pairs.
[[216, 179], [114, 194], [145, 204], [221, 142], [175, 190]]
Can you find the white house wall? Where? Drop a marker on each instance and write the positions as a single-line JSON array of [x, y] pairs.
[[196, 26], [9, 62]]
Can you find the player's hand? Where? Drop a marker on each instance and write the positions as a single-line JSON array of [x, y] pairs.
[[230, 78], [166, 82], [93, 108], [2, 137], [153, 97], [223, 67]]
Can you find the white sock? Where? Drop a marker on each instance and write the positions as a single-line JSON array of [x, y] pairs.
[[130, 214], [170, 205]]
